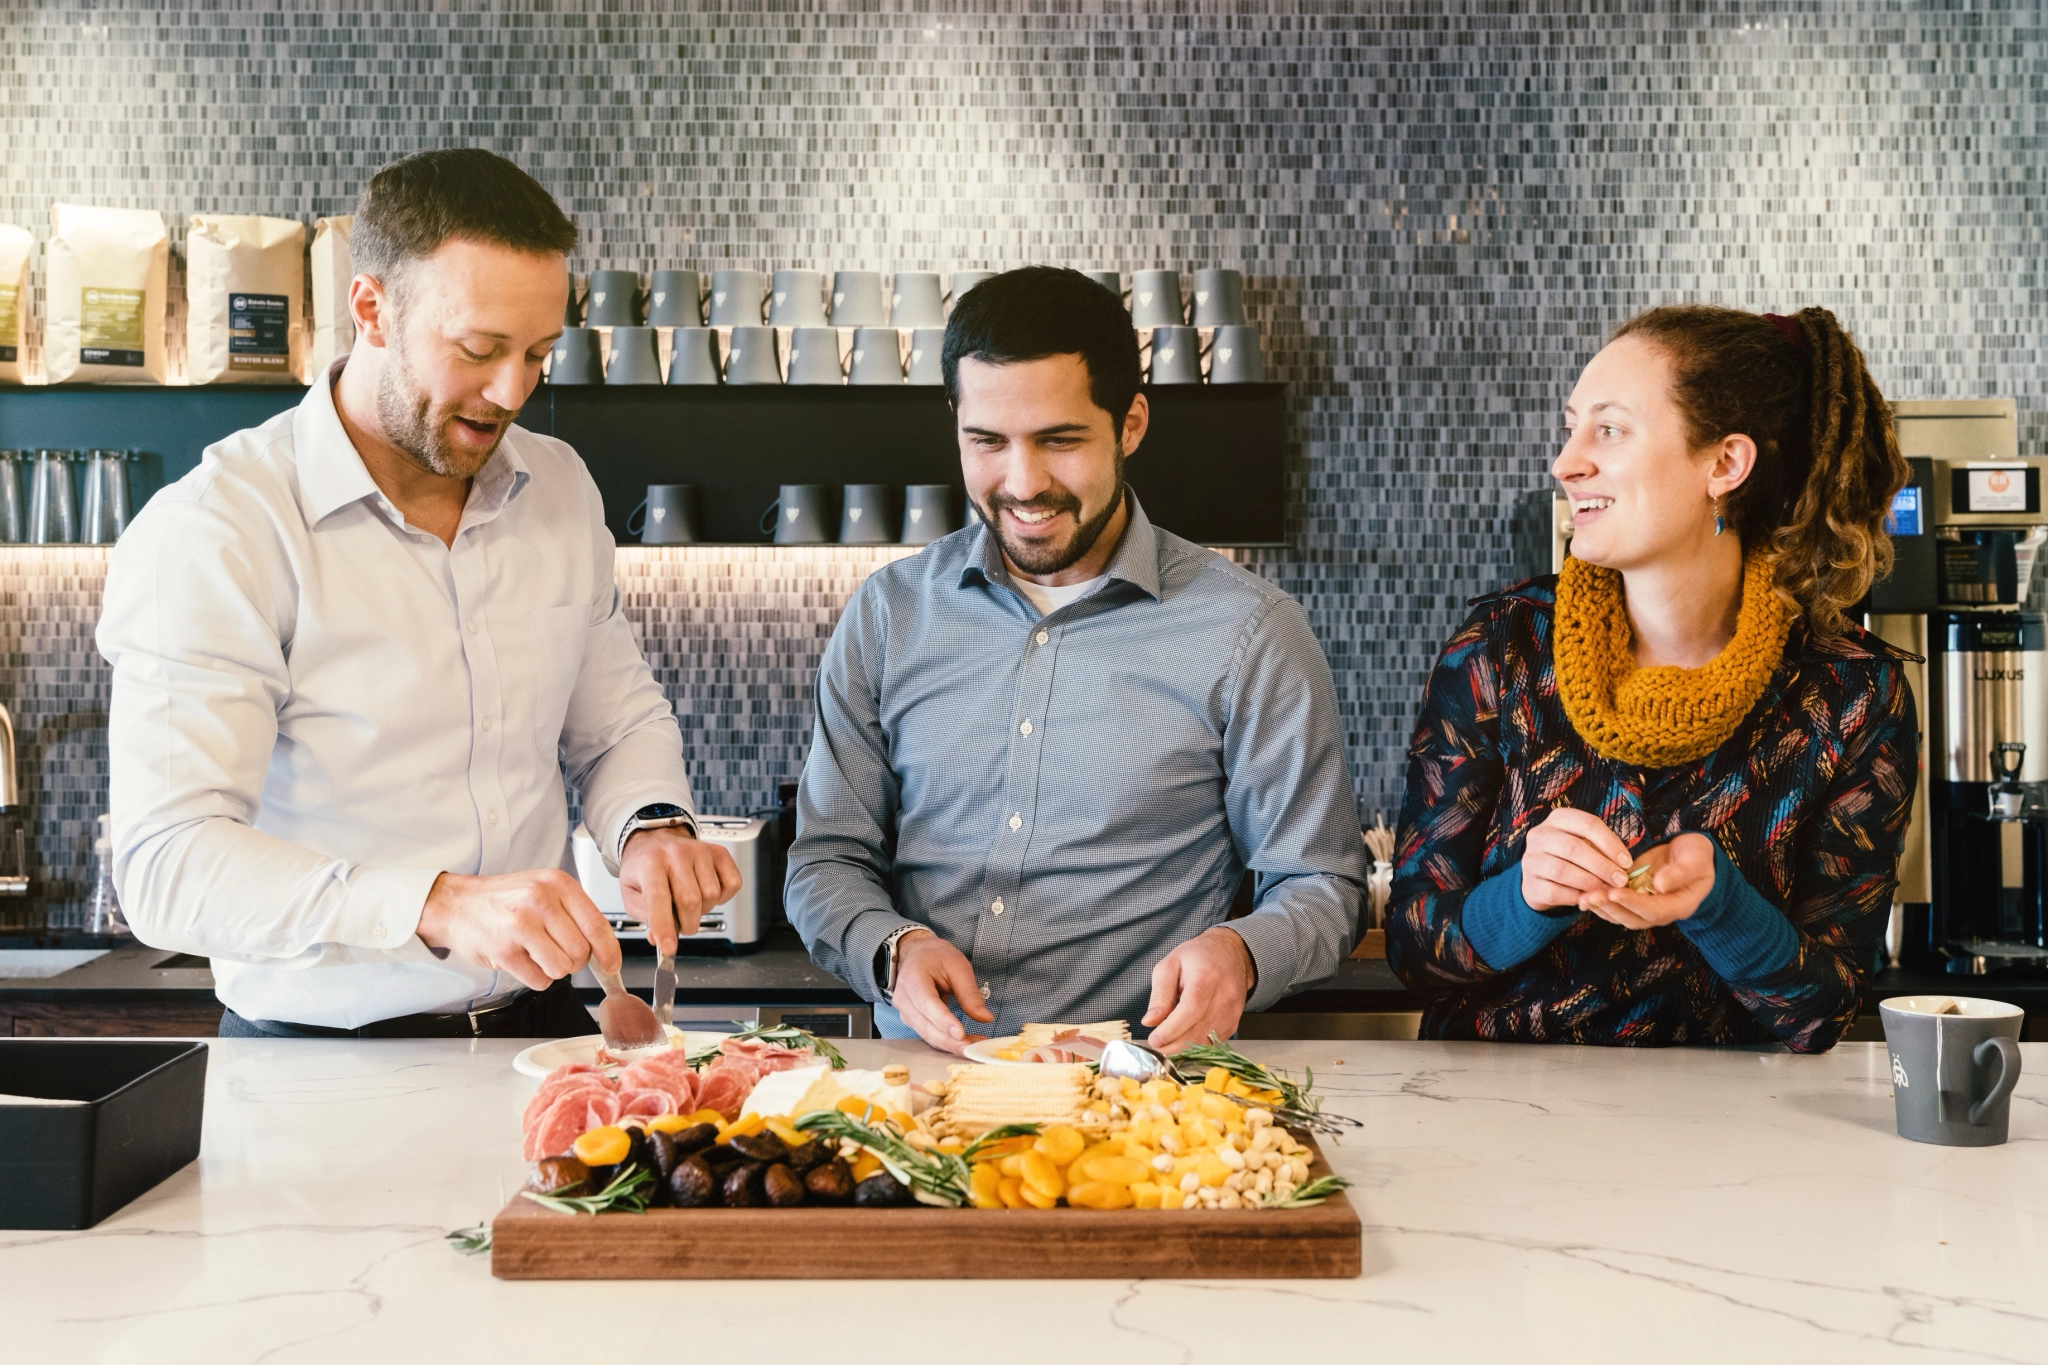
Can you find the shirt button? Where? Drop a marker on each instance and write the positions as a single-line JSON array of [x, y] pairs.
[[985, 990], [378, 932], [487, 723], [472, 627], [1016, 822], [1025, 728], [1043, 637], [494, 817], [995, 909]]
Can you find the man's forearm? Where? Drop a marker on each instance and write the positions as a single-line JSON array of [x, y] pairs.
[[1299, 933]]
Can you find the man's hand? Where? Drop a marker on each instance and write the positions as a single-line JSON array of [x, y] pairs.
[[1200, 988], [669, 878], [1570, 854], [929, 971], [1682, 872], [539, 926]]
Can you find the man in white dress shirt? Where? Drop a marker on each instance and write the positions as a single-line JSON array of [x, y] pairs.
[[355, 649]]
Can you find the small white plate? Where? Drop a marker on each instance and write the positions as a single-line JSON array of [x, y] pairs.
[[538, 1060], [985, 1051]]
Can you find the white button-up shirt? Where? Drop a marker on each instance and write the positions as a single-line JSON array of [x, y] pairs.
[[318, 708]]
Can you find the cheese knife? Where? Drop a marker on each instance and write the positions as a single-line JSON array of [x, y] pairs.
[[665, 987]]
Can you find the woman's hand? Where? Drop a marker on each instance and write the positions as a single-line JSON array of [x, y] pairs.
[[1570, 855], [1682, 873]]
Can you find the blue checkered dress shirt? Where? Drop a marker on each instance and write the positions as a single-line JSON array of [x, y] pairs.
[[1067, 799]]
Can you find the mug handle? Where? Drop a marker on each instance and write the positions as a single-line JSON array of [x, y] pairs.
[[767, 522], [640, 512], [2008, 1076]]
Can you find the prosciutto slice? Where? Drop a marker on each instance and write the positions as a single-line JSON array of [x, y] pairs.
[[767, 1057], [646, 1104], [671, 1074], [1070, 1046], [727, 1083]]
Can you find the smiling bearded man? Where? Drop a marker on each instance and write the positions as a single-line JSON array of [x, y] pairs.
[[1049, 746]]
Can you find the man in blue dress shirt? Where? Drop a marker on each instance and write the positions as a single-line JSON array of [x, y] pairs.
[[1049, 745]]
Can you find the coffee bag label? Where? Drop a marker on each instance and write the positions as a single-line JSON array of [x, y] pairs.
[[259, 332], [10, 322], [110, 326]]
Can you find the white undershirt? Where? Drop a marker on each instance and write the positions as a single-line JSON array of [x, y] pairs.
[[1049, 599]]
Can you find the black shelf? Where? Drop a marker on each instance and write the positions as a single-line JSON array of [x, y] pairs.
[[1212, 468]]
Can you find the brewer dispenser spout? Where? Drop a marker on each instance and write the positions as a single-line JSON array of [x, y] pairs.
[[13, 821], [2007, 758]]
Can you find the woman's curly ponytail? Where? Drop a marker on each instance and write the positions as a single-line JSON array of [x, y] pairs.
[[1828, 459]]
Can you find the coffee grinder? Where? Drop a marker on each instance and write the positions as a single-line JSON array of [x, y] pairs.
[[1965, 533]]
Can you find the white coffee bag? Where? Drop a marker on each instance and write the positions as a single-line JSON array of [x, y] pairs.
[[245, 298], [15, 245], [103, 300], [334, 328]]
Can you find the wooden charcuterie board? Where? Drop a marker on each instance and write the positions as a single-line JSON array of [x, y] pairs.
[[529, 1242]]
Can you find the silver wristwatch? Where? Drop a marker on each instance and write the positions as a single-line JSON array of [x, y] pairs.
[[887, 952], [661, 815]]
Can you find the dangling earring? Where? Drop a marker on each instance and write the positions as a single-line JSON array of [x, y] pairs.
[[1720, 525]]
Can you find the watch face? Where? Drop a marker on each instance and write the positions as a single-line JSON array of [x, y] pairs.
[[663, 810]]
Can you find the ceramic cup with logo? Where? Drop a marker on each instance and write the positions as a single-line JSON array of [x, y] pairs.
[[857, 299], [797, 299], [1234, 356], [802, 515], [675, 298], [867, 514], [964, 280], [1155, 299], [666, 516], [926, 344], [752, 358], [1108, 279], [814, 356], [576, 357], [736, 298], [1219, 298], [1954, 1062], [635, 359], [693, 356], [1176, 356], [572, 315], [917, 298], [614, 299], [930, 510], [877, 356]]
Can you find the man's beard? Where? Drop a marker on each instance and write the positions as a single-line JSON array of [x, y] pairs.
[[1045, 558], [414, 426]]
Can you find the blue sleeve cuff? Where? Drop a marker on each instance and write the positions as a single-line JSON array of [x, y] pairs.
[[1501, 926], [1743, 937]]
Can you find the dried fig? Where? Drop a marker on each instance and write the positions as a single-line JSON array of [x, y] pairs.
[[882, 1191], [784, 1188], [691, 1184], [762, 1147], [742, 1186], [559, 1175], [831, 1183], [811, 1154]]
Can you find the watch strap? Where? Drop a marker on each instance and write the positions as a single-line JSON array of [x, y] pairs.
[[887, 976]]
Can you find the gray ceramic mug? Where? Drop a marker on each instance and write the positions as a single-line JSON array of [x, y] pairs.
[[917, 298], [857, 299], [814, 356], [1108, 279], [675, 298], [802, 515], [1219, 298], [736, 298], [614, 298], [752, 357], [926, 343], [1952, 1073], [1155, 299], [877, 356], [666, 516], [694, 357], [867, 514], [576, 358], [930, 510], [1176, 356], [964, 280], [797, 299], [1235, 357], [635, 359]]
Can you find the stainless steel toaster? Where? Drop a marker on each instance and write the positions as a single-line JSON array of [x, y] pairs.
[[740, 923]]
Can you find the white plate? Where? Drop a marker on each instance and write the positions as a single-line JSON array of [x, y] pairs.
[[985, 1051], [538, 1060]]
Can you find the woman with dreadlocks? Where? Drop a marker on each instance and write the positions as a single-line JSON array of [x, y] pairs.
[[1659, 798]]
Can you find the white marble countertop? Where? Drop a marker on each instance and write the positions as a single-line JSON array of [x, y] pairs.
[[1520, 1203]]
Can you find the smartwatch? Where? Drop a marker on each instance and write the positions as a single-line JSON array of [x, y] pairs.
[[885, 961], [660, 815]]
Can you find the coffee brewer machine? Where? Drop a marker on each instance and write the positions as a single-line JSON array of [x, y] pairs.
[[1974, 879]]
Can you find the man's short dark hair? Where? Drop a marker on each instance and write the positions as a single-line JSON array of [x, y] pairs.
[[416, 203], [1042, 311]]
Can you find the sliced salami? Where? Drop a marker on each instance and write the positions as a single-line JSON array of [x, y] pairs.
[[726, 1088]]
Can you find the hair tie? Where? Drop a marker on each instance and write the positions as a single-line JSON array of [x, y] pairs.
[[1790, 329]]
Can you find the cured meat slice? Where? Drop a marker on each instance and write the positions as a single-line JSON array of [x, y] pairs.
[[601, 1109], [726, 1088], [565, 1121], [677, 1079], [559, 1082], [768, 1057], [650, 1103]]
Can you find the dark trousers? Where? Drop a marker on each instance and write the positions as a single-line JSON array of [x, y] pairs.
[[552, 1013]]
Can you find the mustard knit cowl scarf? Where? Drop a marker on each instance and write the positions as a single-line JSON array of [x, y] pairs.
[[1660, 717]]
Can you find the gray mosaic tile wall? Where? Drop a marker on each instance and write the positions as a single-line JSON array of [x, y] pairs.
[[1441, 208]]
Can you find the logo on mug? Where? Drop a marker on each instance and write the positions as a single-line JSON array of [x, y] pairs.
[[917, 514], [790, 512], [854, 513], [1899, 1073], [660, 513]]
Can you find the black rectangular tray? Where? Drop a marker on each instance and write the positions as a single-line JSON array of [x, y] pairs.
[[69, 1166]]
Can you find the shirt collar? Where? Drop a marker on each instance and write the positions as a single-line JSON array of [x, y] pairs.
[[1136, 560], [332, 474]]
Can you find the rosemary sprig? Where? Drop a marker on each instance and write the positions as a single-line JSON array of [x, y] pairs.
[[1298, 1107], [1002, 1133], [1310, 1194], [474, 1241], [786, 1035], [934, 1177], [622, 1195]]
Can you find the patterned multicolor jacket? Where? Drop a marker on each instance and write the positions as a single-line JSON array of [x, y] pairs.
[[1808, 798]]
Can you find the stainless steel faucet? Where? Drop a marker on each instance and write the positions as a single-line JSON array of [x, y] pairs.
[[13, 817]]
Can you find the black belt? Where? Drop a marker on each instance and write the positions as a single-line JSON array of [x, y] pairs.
[[499, 1017]]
